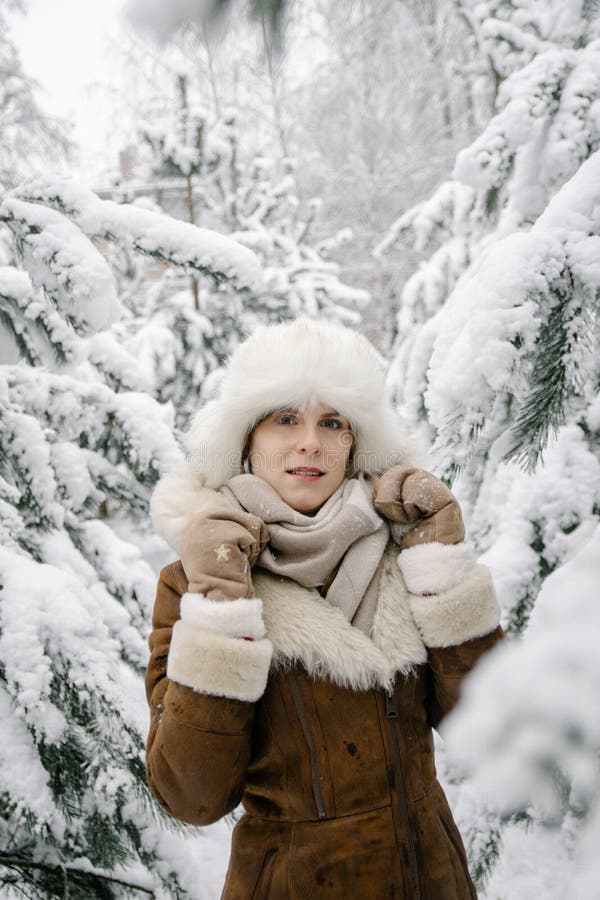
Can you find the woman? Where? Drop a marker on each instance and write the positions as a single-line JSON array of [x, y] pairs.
[[319, 623]]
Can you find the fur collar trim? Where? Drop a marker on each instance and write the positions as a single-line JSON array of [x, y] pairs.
[[301, 625], [304, 628]]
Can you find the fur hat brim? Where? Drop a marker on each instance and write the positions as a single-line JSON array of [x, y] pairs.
[[291, 365]]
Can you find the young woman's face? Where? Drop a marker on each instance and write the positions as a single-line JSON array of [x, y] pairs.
[[303, 454]]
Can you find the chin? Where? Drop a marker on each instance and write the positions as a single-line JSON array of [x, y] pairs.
[[307, 502], [304, 505], [307, 508]]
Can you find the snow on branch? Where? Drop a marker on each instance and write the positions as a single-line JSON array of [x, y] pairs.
[[528, 96], [16, 292], [540, 746], [428, 287], [397, 229], [518, 39], [37, 328], [126, 428], [50, 613], [64, 263], [26, 449], [151, 233], [434, 220], [15, 284], [575, 130], [515, 335]]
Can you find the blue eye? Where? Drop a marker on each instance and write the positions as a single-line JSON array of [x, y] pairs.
[[285, 420], [331, 423]]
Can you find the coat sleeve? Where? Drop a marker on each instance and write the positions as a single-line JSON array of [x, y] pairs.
[[201, 687], [448, 668], [458, 625]]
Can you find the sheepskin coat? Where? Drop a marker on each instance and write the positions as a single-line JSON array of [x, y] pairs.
[[322, 733]]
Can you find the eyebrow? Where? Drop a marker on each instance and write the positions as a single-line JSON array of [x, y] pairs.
[[294, 410]]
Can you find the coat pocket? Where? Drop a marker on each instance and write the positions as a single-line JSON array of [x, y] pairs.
[[265, 876], [454, 837], [441, 851], [460, 865]]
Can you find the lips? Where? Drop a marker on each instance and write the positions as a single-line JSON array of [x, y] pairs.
[[306, 471]]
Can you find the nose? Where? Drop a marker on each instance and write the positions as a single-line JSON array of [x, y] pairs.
[[308, 439]]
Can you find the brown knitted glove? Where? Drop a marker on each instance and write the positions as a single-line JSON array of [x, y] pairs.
[[412, 496], [218, 549]]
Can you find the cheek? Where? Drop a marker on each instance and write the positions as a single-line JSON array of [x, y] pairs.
[[261, 440], [337, 466], [339, 449], [267, 450]]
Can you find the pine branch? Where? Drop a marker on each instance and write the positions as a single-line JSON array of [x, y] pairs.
[[483, 865], [62, 870], [555, 378], [75, 278], [152, 234], [469, 20], [8, 319], [515, 37], [590, 10]]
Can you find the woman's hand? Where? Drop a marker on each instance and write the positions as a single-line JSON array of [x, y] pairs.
[[412, 496], [218, 549]]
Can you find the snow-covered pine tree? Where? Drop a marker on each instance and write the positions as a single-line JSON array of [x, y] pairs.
[[81, 445], [193, 164], [497, 363], [521, 357]]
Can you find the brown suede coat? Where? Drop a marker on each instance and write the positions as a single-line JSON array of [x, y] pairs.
[[338, 784]]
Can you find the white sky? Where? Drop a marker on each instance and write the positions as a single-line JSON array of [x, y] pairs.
[[65, 45]]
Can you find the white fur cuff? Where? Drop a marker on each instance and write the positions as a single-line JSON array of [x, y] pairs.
[[468, 610], [235, 618], [434, 567], [217, 664]]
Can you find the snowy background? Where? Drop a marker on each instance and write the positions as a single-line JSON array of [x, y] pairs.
[[427, 172]]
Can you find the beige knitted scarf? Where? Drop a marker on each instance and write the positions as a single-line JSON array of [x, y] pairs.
[[338, 549]]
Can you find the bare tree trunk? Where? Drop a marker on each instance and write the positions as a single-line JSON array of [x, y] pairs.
[[192, 219], [211, 71], [189, 187]]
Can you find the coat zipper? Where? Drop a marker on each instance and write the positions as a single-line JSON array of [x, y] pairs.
[[301, 710], [391, 713]]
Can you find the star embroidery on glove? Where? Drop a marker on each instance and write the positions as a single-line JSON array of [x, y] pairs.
[[222, 552]]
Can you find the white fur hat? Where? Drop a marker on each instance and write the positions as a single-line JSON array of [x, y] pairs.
[[297, 363]]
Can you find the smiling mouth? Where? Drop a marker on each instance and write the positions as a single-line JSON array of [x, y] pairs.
[[306, 472]]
